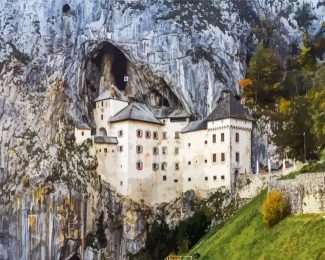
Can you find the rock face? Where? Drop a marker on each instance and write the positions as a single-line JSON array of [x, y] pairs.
[[56, 57]]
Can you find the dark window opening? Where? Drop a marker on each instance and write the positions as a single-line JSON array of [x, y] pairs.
[[214, 138], [66, 8], [222, 177], [237, 137], [205, 142], [105, 150], [176, 166], [237, 157], [223, 157], [222, 137], [189, 179], [189, 162], [164, 177], [189, 144], [214, 178], [82, 133], [139, 165], [139, 133], [121, 183], [214, 157], [176, 135], [175, 180], [206, 161], [206, 178]]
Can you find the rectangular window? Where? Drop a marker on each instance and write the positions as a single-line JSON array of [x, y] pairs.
[[101, 117], [175, 180], [189, 179], [164, 178], [121, 148], [176, 150], [189, 144], [222, 177], [205, 142], [214, 138], [121, 183], [189, 162], [214, 178], [105, 150], [164, 135], [206, 161], [222, 137], [164, 150], [214, 157], [176, 166], [102, 103], [237, 157], [176, 135], [206, 178], [223, 157], [82, 133], [237, 137]]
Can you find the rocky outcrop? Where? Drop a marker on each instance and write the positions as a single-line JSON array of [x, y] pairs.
[[55, 58]]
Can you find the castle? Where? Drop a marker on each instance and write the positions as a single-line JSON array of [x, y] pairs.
[[156, 154]]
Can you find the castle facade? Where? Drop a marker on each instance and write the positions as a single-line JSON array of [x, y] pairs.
[[156, 154]]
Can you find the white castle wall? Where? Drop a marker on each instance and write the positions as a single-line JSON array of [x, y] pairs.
[[202, 174], [81, 135], [107, 108]]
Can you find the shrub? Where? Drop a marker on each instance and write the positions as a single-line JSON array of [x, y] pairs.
[[274, 208]]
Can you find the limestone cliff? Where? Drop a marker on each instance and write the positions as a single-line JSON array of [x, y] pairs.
[[57, 56]]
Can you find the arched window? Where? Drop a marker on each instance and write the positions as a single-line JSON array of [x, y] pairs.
[[139, 165], [139, 133], [139, 149], [102, 131], [155, 166], [155, 150], [155, 135], [148, 134]]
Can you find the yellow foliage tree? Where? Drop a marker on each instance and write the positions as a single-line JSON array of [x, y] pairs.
[[245, 83], [284, 106], [274, 208]]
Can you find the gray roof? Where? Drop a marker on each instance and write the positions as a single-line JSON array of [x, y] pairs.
[[105, 140], [106, 94], [229, 107], [82, 126], [167, 112], [195, 126], [135, 111]]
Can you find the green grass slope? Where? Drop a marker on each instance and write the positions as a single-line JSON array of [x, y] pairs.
[[246, 237]]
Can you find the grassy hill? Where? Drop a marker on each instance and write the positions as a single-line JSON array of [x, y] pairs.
[[246, 237]]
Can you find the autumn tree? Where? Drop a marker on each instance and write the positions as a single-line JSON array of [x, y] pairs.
[[274, 208]]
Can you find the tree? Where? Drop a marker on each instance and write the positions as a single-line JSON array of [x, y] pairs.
[[265, 71], [274, 208], [291, 127], [316, 101]]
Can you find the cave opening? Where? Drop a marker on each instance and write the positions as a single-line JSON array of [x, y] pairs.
[[66, 8], [112, 62]]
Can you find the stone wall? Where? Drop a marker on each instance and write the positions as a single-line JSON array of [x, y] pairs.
[[305, 193]]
